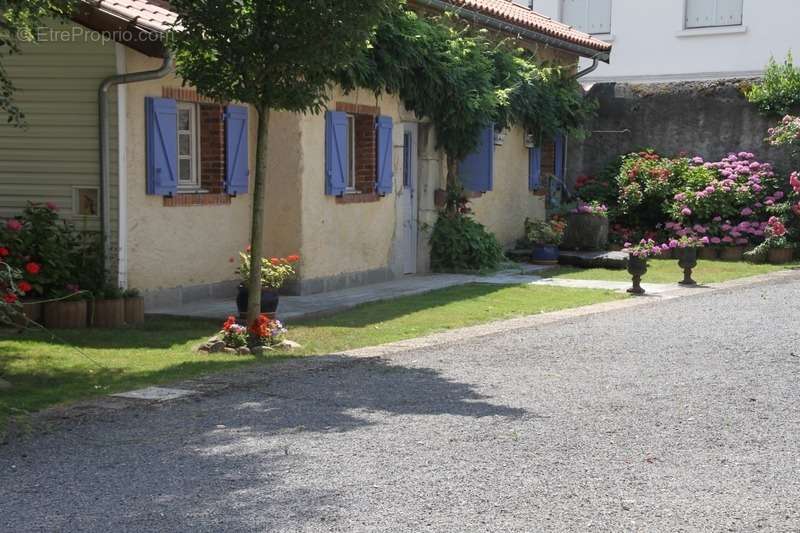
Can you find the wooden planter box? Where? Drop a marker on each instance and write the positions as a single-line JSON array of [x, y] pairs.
[[708, 254], [108, 313], [65, 315], [731, 253], [780, 256], [134, 310], [32, 312]]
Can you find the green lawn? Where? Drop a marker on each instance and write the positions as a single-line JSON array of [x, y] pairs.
[[668, 271], [46, 370]]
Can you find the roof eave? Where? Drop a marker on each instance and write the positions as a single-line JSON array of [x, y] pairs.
[[507, 27], [122, 30]]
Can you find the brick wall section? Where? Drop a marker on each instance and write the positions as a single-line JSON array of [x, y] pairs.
[[366, 153], [212, 148]]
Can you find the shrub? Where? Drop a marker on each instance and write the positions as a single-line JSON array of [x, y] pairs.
[[539, 232], [779, 92], [459, 243]]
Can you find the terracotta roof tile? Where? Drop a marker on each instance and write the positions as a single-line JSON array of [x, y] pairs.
[[153, 15], [508, 11]]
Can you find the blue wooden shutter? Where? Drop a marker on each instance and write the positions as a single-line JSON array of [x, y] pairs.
[[560, 156], [476, 171], [336, 156], [535, 170], [161, 122], [384, 142], [237, 154]]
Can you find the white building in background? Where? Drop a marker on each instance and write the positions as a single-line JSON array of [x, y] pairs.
[[670, 40]]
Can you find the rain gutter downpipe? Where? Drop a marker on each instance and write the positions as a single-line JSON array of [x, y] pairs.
[[513, 28], [105, 149]]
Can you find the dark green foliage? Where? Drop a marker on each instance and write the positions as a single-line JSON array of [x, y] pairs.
[[459, 243], [779, 93], [274, 55], [462, 80]]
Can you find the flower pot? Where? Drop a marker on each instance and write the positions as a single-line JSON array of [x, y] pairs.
[[731, 253], [637, 267], [65, 315], [687, 260], [586, 231], [544, 254], [108, 313], [269, 300], [780, 256], [134, 310], [708, 253]]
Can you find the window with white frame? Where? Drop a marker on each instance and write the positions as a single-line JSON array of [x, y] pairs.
[[590, 16], [713, 13], [188, 147]]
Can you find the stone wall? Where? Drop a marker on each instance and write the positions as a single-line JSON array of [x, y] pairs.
[[709, 119]]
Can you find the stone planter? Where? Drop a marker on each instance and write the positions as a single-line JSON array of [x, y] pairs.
[[780, 256], [637, 267], [731, 253], [687, 260], [134, 310], [65, 315], [544, 254], [269, 301], [586, 232], [108, 313], [708, 254]]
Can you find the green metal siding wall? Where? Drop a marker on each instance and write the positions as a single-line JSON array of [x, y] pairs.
[[57, 84]]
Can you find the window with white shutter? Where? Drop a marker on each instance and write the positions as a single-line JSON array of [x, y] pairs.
[[713, 13], [590, 16]]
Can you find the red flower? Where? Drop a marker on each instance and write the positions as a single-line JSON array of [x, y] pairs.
[[14, 225], [248, 249], [33, 268], [229, 323], [4, 252], [10, 298], [24, 286], [275, 261], [51, 206], [293, 258]]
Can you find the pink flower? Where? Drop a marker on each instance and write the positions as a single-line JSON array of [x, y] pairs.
[[778, 195], [51, 206], [742, 241], [14, 224], [686, 212], [746, 212], [717, 219], [673, 243], [705, 240], [727, 240], [715, 240], [680, 197]]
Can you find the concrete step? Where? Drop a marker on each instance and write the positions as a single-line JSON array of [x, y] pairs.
[[614, 260]]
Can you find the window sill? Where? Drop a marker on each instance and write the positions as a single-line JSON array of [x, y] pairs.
[[539, 192], [196, 199], [718, 30], [358, 198]]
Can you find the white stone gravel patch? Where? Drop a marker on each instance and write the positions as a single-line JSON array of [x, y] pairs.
[[155, 394]]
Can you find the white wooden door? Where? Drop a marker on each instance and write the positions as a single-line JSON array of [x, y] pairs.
[[408, 200]]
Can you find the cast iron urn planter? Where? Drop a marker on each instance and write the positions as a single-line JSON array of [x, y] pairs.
[[269, 300], [637, 267], [687, 260]]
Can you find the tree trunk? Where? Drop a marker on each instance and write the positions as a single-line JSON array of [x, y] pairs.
[[452, 172], [257, 229]]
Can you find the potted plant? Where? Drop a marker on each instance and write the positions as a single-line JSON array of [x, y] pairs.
[[544, 237], [275, 272], [637, 261], [776, 248], [108, 309], [134, 307], [587, 227], [686, 248]]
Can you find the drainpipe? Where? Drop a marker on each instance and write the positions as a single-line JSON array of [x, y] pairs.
[[588, 70], [105, 151]]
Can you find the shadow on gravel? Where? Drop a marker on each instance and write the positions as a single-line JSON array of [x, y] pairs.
[[263, 452]]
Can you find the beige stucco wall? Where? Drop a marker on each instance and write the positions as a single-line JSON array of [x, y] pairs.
[[345, 238], [503, 210], [171, 247]]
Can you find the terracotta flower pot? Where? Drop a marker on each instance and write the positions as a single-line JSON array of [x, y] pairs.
[[780, 256], [731, 253], [65, 315], [109, 313], [708, 253], [134, 310]]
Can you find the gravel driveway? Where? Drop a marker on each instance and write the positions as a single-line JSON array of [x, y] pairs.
[[680, 415]]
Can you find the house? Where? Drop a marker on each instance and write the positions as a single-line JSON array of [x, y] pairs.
[[681, 40], [352, 190]]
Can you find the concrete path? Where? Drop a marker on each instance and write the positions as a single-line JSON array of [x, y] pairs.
[[659, 414], [297, 307]]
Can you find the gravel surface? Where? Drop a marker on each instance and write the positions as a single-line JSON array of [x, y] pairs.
[[681, 415]]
